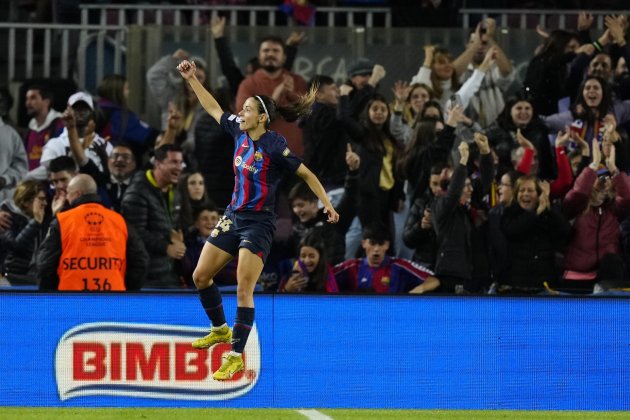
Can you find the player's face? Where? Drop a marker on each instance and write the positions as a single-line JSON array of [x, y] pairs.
[[305, 210], [206, 221], [374, 252], [251, 118], [196, 186], [310, 258]]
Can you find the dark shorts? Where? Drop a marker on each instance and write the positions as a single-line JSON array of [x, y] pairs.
[[244, 229]]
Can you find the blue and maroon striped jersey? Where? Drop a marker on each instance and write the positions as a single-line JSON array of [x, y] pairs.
[[258, 166], [394, 275]]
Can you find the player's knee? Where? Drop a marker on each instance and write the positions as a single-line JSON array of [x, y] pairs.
[[201, 279]]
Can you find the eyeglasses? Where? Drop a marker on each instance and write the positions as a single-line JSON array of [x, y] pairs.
[[505, 184]]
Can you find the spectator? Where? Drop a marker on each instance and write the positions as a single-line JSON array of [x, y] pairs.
[[28, 228], [598, 200], [312, 219], [519, 116], [429, 143], [6, 103], [190, 196], [89, 247], [408, 105], [230, 70], [487, 103], [363, 79], [461, 255], [379, 273], [122, 167], [419, 233], [120, 124], [310, 272], [169, 92], [148, 206], [273, 80], [592, 109], [60, 172], [80, 115], [324, 130], [547, 72], [13, 161], [438, 72], [496, 238], [45, 123], [534, 231], [380, 190], [206, 218]]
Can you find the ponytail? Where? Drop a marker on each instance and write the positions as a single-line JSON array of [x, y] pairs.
[[289, 113]]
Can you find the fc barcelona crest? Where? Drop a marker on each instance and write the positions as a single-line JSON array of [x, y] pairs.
[[258, 156]]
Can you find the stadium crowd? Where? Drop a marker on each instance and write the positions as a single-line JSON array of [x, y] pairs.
[[445, 183]]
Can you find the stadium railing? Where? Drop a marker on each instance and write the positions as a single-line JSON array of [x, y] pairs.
[[530, 18], [140, 14]]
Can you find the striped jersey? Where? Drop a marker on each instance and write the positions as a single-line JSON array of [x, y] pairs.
[[258, 166], [394, 275]]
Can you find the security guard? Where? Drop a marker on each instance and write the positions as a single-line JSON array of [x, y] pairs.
[[89, 247]]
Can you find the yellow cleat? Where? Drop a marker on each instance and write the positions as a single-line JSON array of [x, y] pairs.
[[230, 367], [222, 335]]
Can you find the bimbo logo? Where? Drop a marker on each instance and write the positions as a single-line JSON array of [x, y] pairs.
[[148, 360]]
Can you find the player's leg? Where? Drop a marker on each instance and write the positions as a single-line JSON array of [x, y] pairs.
[[250, 266], [211, 261]]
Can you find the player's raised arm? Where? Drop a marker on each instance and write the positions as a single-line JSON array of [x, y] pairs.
[[317, 187], [188, 71]]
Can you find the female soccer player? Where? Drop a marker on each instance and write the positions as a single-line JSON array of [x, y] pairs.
[[247, 226]]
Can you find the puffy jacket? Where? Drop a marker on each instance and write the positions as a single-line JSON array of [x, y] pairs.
[[595, 232], [150, 214]]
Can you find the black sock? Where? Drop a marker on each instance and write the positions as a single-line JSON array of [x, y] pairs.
[[242, 327], [213, 305]]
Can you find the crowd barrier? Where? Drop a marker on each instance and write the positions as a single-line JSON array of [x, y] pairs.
[[394, 352]]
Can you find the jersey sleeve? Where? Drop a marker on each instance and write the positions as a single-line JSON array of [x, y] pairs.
[[287, 159], [230, 124]]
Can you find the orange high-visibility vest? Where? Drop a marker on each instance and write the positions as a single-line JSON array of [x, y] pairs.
[[93, 249]]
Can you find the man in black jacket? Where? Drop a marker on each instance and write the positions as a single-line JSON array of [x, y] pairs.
[[84, 251], [148, 207]]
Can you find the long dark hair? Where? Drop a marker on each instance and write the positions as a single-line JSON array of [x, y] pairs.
[[556, 42], [316, 279], [423, 136], [188, 206], [586, 113], [375, 137], [301, 107], [505, 118]]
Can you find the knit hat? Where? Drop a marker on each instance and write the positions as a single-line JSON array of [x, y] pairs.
[[361, 67]]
